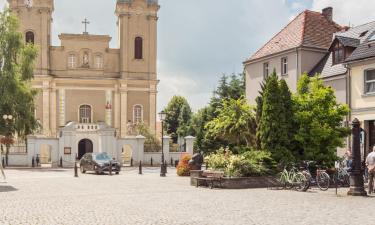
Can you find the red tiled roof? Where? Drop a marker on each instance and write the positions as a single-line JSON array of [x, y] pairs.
[[309, 29]]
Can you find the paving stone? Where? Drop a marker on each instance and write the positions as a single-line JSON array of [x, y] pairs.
[[56, 197]]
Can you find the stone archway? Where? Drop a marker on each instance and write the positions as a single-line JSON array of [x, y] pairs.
[[127, 153], [84, 146]]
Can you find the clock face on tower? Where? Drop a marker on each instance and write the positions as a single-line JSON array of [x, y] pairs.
[[28, 3]]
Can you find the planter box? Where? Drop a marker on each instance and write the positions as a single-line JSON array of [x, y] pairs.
[[239, 182]]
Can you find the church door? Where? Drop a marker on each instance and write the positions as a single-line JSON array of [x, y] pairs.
[[84, 146]]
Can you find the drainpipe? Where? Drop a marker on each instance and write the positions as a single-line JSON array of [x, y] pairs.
[[297, 65], [349, 98]]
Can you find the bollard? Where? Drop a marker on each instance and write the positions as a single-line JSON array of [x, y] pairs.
[[110, 168], [3, 162], [166, 166], [61, 163], [171, 161], [140, 167], [75, 169], [152, 162], [33, 162], [175, 163], [131, 162]]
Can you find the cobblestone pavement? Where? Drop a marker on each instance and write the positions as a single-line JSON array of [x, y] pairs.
[[56, 197]]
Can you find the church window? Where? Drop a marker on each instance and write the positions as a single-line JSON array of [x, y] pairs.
[[99, 62], [85, 114], [71, 61], [138, 47], [30, 37], [138, 114]]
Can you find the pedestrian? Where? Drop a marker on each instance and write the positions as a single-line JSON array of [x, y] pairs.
[[37, 160], [370, 163]]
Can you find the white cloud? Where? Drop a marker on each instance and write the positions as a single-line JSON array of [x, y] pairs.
[[345, 12]]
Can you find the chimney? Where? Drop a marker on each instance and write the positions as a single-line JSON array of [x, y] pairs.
[[328, 13]]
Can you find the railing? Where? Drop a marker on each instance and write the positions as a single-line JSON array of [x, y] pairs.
[[87, 127], [152, 148]]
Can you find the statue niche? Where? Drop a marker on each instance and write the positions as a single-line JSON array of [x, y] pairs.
[[85, 60]]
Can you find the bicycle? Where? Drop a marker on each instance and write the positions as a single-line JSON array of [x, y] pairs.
[[321, 178], [292, 179], [341, 177]]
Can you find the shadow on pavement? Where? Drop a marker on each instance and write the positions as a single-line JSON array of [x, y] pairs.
[[7, 188]]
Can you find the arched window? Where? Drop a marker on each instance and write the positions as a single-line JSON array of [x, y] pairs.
[[99, 62], [72, 61], [85, 114], [138, 114], [29, 37], [138, 48]]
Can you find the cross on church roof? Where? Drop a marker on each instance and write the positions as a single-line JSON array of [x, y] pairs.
[[86, 22]]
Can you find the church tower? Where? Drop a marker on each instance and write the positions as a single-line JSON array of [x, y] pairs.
[[35, 23], [137, 30]]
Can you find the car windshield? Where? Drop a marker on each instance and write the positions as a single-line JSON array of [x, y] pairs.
[[102, 156]]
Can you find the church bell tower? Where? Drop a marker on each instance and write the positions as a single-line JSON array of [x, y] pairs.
[[35, 24], [137, 30]]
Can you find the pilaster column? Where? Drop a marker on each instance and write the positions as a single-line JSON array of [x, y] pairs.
[[117, 106], [153, 110], [62, 107], [108, 108], [53, 110], [124, 109], [46, 108]]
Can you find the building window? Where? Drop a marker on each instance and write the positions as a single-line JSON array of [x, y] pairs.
[[99, 62], [138, 114], [370, 81], [284, 66], [138, 48], [29, 37], [338, 53], [85, 114], [71, 61], [266, 70]]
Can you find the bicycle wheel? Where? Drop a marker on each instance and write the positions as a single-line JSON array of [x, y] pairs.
[[300, 182], [308, 181], [322, 180]]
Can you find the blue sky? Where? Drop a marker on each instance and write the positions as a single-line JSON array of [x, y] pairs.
[[199, 40]]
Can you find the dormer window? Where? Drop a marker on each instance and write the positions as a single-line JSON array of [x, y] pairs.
[[338, 53], [99, 62], [72, 61]]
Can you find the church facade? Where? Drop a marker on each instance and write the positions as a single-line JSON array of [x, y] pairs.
[[90, 95]]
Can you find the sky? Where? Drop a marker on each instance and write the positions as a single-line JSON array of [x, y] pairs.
[[199, 40]]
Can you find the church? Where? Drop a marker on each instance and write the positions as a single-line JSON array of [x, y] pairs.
[[90, 95]]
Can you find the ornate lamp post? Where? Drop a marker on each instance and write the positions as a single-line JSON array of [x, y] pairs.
[[7, 137], [356, 175], [162, 116]]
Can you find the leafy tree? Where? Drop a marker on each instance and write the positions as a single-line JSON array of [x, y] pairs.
[[16, 71], [235, 123], [178, 117], [273, 129], [230, 87], [319, 121]]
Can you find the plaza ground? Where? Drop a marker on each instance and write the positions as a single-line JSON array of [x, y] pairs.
[[48, 196]]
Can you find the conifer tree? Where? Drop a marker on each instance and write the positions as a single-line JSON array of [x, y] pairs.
[[273, 128]]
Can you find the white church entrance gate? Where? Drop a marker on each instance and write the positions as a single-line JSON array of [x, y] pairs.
[[84, 146]]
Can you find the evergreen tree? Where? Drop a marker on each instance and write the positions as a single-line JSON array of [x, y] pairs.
[[16, 72], [273, 128], [286, 99]]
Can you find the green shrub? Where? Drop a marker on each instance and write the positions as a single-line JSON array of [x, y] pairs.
[[251, 163]]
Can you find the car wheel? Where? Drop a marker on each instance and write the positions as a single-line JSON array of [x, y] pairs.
[[97, 172], [82, 169], [117, 173]]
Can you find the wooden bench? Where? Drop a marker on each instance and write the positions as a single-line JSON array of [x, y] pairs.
[[210, 178]]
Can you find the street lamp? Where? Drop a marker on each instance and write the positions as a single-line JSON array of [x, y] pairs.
[[162, 116]]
